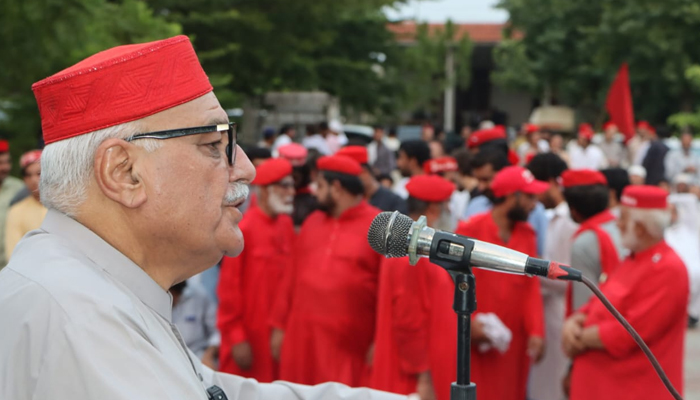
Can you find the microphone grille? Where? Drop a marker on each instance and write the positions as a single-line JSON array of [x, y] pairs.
[[396, 243]]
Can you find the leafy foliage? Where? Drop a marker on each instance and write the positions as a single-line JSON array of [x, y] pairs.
[[573, 49], [41, 37]]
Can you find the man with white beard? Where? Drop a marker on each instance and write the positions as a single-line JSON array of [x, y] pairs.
[[650, 289], [245, 291], [683, 236]]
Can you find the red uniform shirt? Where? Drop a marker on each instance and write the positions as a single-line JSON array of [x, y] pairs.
[[517, 302], [650, 289], [246, 291], [401, 340], [327, 306]]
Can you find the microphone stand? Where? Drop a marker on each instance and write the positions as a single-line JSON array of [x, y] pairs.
[[457, 261]]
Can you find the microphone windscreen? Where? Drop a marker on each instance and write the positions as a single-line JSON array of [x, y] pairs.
[[388, 236]]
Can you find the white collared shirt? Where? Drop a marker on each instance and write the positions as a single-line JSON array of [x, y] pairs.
[[81, 321]]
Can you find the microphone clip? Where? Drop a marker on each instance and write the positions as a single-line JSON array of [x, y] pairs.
[[415, 231]]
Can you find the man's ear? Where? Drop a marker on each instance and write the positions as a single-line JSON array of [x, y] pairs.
[[640, 230], [335, 188], [115, 173]]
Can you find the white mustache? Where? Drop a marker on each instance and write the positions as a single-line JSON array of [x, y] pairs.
[[235, 193]]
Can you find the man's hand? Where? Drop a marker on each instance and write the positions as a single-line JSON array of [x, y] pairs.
[[424, 387], [571, 335], [210, 357], [276, 339], [369, 357], [566, 383], [243, 355], [535, 348], [478, 334]]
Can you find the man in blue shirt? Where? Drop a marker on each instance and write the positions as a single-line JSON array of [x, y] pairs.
[[485, 165]]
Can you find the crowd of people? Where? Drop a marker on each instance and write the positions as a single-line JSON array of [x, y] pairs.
[[308, 301], [133, 214]]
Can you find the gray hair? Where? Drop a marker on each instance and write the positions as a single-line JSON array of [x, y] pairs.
[[655, 221], [67, 165]]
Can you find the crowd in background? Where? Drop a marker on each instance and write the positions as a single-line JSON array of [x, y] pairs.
[[308, 301]]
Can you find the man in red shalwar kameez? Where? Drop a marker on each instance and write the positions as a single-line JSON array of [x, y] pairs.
[[650, 289], [325, 313], [499, 374], [247, 283], [401, 342]]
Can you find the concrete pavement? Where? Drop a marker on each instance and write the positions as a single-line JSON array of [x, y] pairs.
[[692, 365]]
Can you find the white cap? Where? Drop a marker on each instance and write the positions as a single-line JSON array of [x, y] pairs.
[[637, 170], [683, 178], [335, 126]]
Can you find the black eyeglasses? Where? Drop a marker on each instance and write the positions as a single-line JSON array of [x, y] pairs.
[[230, 128]]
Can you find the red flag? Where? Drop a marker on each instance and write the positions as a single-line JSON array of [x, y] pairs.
[[619, 102]]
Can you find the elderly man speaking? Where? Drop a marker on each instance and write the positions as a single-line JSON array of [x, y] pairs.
[[142, 178]]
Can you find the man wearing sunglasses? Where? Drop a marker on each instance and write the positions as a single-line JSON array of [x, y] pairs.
[[142, 179]]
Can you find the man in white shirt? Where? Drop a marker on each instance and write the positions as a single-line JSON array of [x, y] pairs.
[[683, 160], [285, 136], [546, 376], [149, 198], [583, 154]]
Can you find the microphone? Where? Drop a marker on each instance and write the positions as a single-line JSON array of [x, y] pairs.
[[397, 235]]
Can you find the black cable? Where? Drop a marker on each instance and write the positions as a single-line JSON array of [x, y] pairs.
[[635, 336]]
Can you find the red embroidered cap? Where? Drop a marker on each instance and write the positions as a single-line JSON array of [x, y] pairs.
[[340, 164], [440, 165], [4, 146], [430, 188], [119, 85], [609, 125], [357, 153], [644, 196], [294, 153], [646, 126], [29, 157], [531, 128], [271, 171], [514, 179], [485, 135], [585, 131], [582, 177]]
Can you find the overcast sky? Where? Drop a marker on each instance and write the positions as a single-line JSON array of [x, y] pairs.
[[456, 10]]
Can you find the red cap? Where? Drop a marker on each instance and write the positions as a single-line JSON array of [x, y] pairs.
[[357, 153], [516, 179], [440, 165], [582, 177], [609, 125], [4, 146], [29, 157], [272, 170], [485, 135], [531, 128], [294, 153], [340, 164], [644, 196], [118, 85], [585, 131], [645, 125], [430, 188]]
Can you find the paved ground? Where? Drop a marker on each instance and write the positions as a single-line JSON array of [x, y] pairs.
[[692, 365]]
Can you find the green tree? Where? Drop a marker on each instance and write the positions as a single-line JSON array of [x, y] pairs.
[[420, 76], [571, 51], [250, 47], [41, 37]]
